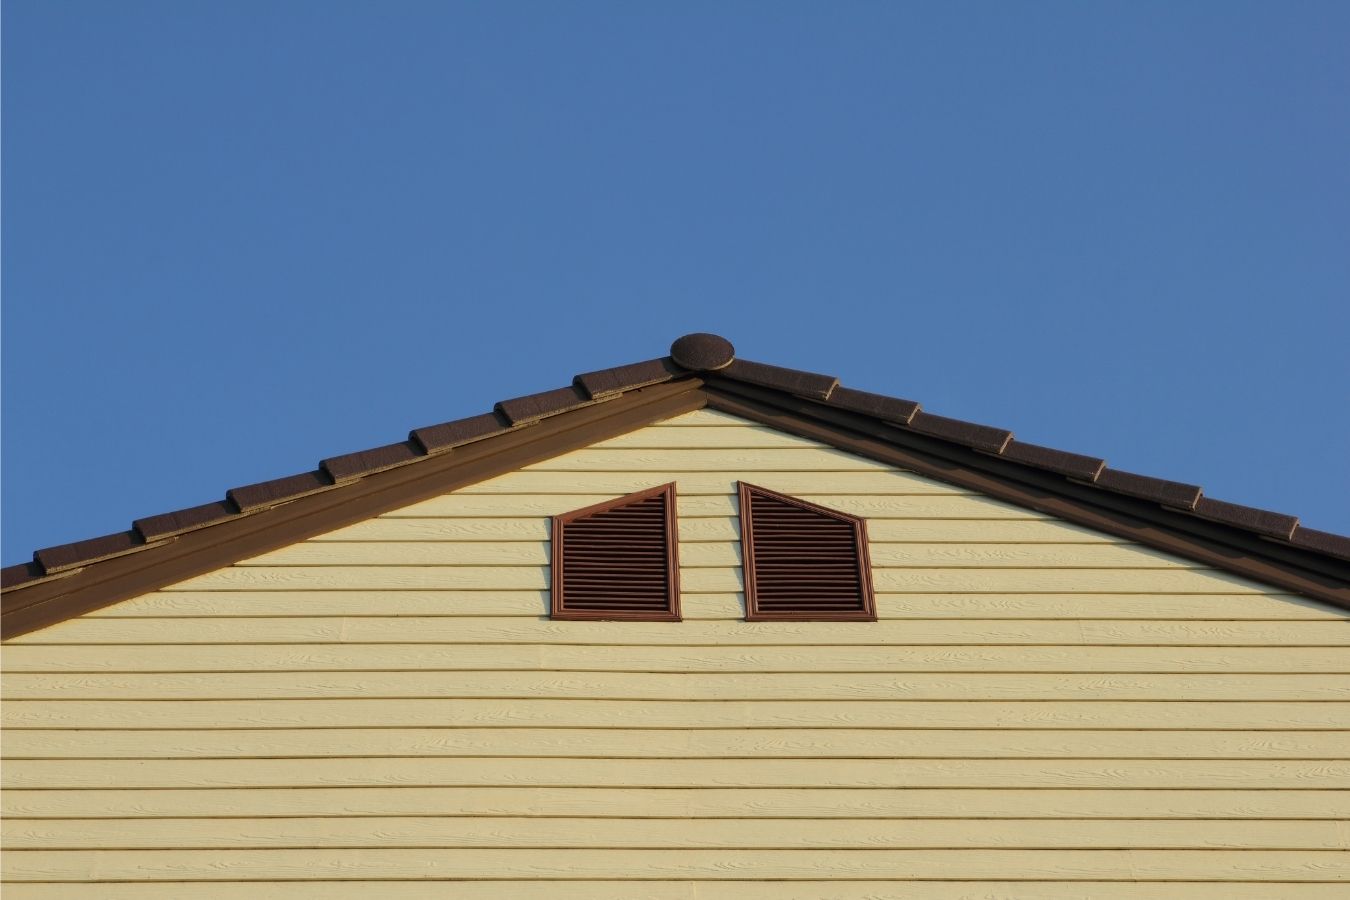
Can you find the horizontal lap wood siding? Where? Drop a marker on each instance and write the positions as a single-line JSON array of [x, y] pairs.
[[386, 710]]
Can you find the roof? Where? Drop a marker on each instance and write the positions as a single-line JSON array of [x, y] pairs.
[[702, 370]]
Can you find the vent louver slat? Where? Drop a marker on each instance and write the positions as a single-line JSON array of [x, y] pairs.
[[803, 561], [617, 560]]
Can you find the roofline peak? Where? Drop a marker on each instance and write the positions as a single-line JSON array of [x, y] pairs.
[[703, 352]]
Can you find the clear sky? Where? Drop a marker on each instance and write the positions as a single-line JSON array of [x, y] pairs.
[[241, 236]]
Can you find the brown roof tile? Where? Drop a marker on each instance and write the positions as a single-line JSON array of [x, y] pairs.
[[278, 490], [376, 459], [1168, 493], [81, 553], [1259, 520], [522, 410], [1321, 541], [891, 409], [1074, 465], [802, 384], [438, 438], [981, 437], [13, 576], [608, 382], [164, 525]]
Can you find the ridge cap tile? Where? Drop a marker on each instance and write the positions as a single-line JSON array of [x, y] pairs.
[[810, 385], [1169, 493], [604, 383], [890, 409], [456, 432], [153, 528], [251, 497], [972, 434], [1273, 524], [80, 553], [20, 573], [1322, 541], [350, 466], [1074, 465], [533, 407]]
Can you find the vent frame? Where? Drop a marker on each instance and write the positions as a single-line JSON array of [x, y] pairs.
[[558, 605], [865, 612]]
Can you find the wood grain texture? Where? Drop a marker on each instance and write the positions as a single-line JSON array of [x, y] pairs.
[[349, 865], [698, 529], [632, 461], [869, 482], [659, 834], [726, 579], [680, 773], [723, 606], [667, 436], [721, 554], [356, 656], [914, 632], [498, 504], [507, 685], [320, 712], [628, 743], [700, 803], [678, 890]]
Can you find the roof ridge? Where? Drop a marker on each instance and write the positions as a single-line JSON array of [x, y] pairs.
[[693, 354]]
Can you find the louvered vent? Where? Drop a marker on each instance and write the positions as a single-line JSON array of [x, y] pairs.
[[617, 560], [803, 561]]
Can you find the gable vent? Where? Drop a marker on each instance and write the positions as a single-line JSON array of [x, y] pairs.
[[802, 561], [618, 560]]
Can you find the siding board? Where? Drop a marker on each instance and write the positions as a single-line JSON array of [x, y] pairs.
[[679, 890], [721, 554], [682, 773], [724, 605], [357, 656], [321, 712], [487, 630], [656, 834], [629, 743], [851, 686], [697, 529], [386, 710], [769, 803], [360, 865]]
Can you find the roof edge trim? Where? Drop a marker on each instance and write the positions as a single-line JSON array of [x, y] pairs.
[[193, 553], [1044, 492]]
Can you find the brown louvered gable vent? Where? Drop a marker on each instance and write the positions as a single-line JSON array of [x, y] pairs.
[[618, 559], [803, 561]]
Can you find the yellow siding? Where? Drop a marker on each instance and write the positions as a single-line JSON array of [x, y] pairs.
[[385, 710]]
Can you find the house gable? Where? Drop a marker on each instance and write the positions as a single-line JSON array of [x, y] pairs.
[[386, 708]]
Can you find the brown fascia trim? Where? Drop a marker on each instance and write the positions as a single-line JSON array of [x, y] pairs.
[[1138, 520], [1244, 528], [1284, 529], [196, 552], [586, 389]]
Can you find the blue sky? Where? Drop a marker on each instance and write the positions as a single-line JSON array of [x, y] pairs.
[[243, 236]]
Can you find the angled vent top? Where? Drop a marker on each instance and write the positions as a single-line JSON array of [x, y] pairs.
[[618, 559], [803, 561]]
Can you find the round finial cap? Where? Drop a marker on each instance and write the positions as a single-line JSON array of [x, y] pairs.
[[702, 352]]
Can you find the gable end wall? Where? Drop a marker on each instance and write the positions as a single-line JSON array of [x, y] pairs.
[[1039, 711]]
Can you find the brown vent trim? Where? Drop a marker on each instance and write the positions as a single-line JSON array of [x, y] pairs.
[[803, 561], [618, 559]]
